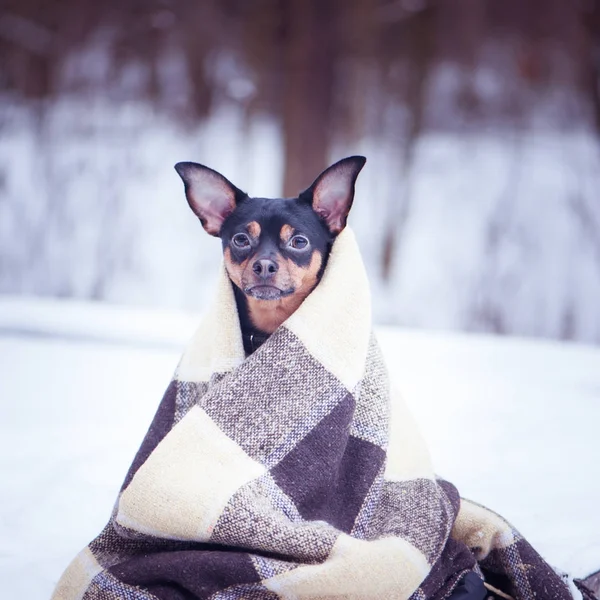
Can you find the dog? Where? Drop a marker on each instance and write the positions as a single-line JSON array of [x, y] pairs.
[[275, 249], [275, 252]]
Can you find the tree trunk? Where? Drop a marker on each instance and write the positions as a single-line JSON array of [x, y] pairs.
[[307, 95]]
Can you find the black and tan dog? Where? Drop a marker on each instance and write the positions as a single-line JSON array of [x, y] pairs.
[[275, 249]]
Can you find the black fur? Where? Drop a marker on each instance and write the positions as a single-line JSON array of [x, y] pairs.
[[272, 214]]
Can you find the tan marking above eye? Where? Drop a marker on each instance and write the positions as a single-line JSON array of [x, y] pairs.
[[253, 229], [286, 233]]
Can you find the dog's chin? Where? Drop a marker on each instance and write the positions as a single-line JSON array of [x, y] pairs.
[[267, 292]]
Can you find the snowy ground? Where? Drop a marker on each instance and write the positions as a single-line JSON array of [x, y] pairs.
[[513, 423]]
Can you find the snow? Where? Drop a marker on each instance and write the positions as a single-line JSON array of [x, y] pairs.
[[512, 422], [496, 229]]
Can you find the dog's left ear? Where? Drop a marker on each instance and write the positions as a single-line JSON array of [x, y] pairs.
[[211, 196], [332, 193]]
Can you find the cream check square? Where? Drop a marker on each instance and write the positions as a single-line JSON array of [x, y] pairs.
[[183, 487], [356, 570]]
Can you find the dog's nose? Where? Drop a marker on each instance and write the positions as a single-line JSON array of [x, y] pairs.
[[265, 268]]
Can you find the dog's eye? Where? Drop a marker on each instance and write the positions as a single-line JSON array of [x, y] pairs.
[[241, 240], [299, 242]]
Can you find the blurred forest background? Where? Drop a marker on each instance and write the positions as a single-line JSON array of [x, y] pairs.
[[479, 208]]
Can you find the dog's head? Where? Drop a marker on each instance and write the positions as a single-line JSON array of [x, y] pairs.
[[274, 248]]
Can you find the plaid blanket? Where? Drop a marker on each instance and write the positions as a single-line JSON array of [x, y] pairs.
[[286, 474]]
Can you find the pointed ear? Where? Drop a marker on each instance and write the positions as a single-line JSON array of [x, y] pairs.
[[212, 197], [332, 192]]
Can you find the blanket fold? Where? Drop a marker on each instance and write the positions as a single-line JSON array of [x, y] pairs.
[[294, 473]]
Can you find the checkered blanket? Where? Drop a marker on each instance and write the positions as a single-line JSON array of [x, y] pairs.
[[286, 474]]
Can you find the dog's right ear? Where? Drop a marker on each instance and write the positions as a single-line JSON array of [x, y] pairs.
[[211, 196], [332, 192]]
